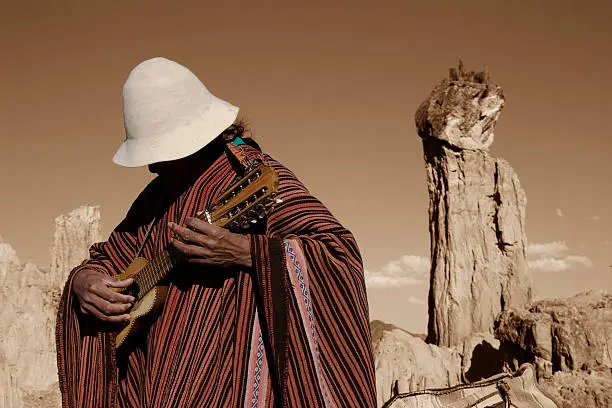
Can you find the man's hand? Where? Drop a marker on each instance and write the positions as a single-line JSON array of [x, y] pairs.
[[91, 288], [208, 244]]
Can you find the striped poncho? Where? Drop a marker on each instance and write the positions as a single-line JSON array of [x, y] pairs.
[[292, 331]]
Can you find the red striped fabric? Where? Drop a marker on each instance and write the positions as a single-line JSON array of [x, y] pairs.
[[315, 345]]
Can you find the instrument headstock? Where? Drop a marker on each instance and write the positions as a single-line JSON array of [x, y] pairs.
[[246, 202]]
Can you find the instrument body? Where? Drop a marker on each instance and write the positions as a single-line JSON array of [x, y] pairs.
[[244, 203]]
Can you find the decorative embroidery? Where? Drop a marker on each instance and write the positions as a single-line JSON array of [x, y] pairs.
[[298, 274], [258, 370]]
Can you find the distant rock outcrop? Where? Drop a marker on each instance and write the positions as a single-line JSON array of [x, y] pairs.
[[28, 307], [476, 212], [571, 334], [74, 234], [569, 341]]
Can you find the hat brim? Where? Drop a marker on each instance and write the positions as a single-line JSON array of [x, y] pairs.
[[180, 143]]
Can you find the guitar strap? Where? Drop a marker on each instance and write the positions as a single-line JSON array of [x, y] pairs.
[[150, 227], [144, 241]]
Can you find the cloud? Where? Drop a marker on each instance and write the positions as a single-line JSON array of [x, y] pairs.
[[416, 300], [406, 271], [596, 218], [412, 270], [550, 249], [554, 257], [559, 212], [556, 265]]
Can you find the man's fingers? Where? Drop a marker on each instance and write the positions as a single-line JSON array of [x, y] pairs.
[[191, 251], [107, 308], [202, 226], [105, 293], [189, 235], [83, 310], [90, 309], [119, 283], [93, 310]]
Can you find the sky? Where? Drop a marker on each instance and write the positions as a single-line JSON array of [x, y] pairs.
[[330, 90]]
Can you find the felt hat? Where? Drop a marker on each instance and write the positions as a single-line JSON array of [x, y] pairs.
[[168, 114]]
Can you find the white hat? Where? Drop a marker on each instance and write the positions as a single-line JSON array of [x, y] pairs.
[[168, 113]]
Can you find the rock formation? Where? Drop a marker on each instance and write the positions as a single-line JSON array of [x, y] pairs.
[[569, 341], [28, 306], [476, 211], [74, 233], [405, 363], [585, 389], [570, 334]]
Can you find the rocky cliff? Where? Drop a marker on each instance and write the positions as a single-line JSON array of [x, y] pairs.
[[476, 211], [28, 305]]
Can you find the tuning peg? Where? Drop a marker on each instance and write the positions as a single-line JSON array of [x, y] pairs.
[[254, 176], [244, 222], [260, 211]]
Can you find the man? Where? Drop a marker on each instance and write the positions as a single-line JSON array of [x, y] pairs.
[[276, 317]]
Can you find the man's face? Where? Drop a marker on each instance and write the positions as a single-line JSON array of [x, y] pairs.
[[161, 168]]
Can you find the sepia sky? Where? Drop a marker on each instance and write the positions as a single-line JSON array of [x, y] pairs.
[[330, 90]]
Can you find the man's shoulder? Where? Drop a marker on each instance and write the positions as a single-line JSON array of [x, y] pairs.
[[285, 174], [255, 154]]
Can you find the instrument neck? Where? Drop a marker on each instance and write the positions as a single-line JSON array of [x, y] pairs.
[[154, 272]]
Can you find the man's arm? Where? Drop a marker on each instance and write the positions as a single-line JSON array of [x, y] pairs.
[[91, 281]]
